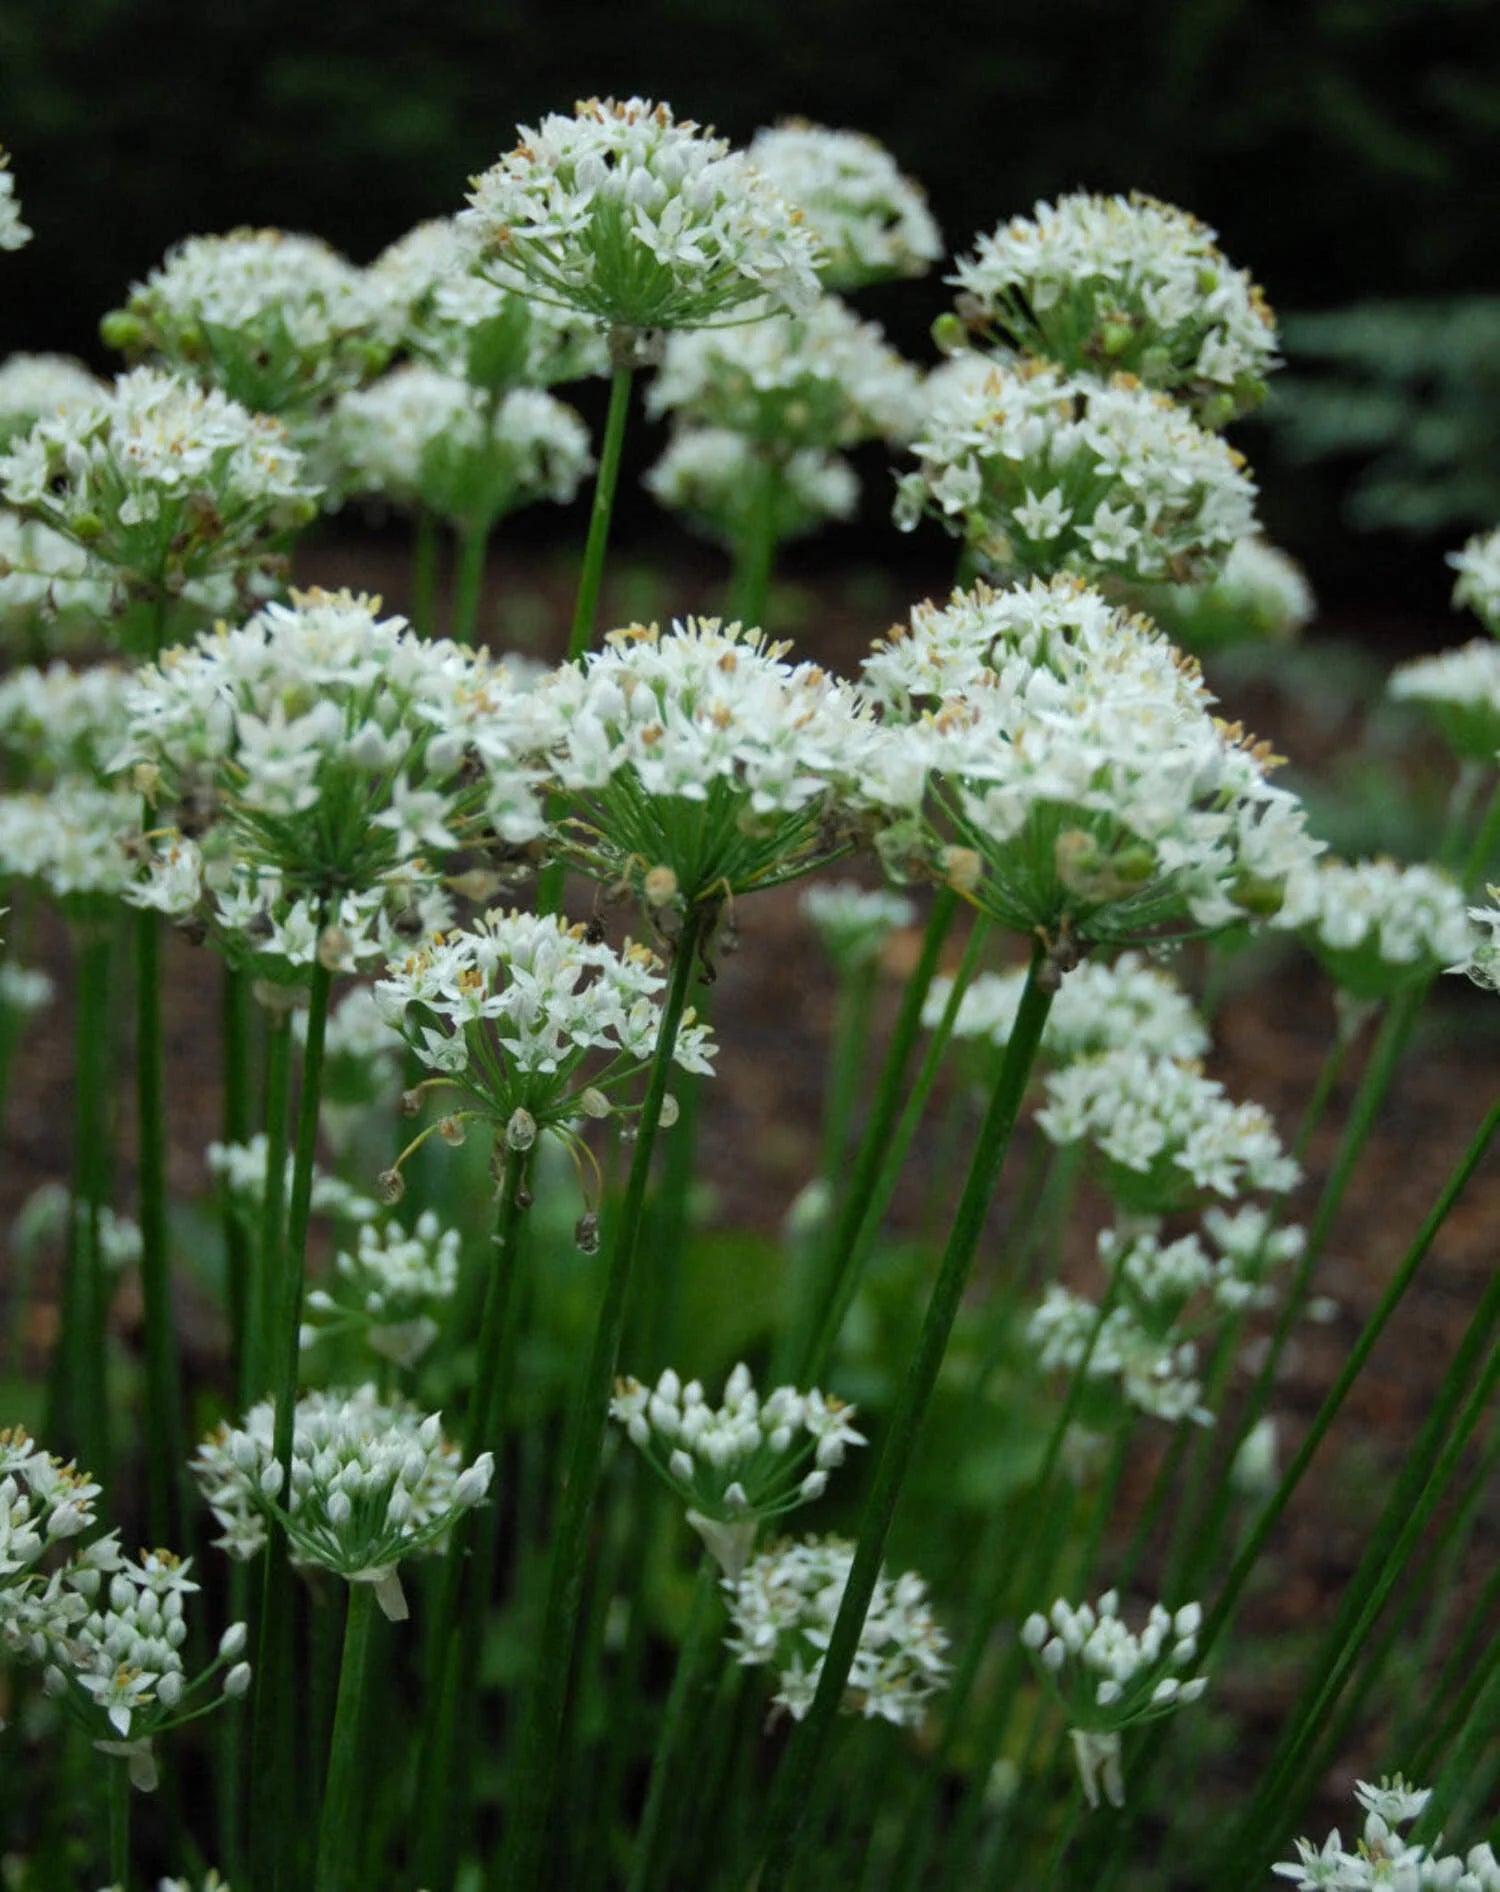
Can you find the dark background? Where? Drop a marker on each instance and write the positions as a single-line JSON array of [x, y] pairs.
[[1343, 148]]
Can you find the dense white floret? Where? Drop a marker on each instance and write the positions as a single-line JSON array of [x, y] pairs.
[[871, 220]]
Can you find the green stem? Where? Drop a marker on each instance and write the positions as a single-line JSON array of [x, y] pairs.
[[755, 548], [873, 1153], [582, 636], [523, 1860], [804, 1751], [1482, 852], [424, 564], [168, 1451], [235, 1016], [679, 1725], [851, 1036], [454, 1643], [119, 1827], [285, 1335], [339, 1826], [260, 1310], [473, 544]]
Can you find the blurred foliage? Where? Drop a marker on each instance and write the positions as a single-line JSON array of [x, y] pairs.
[[1410, 390]]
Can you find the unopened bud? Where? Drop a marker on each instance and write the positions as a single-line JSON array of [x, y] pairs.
[[670, 1112], [593, 1103], [520, 1132], [237, 1681], [660, 886], [390, 1186]]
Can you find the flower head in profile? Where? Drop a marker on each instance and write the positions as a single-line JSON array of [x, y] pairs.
[[449, 316], [870, 219], [1261, 596], [638, 219], [1459, 691], [14, 235], [699, 763], [278, 321], [532, 1024], [1383, 1857], [741, 1463], [1378, 926], [42, 387], [1100, 284], [1482, 962], [820, 380], [712, 476], [1478, 583], [782, 1609], [854, 923], [387, 1290], [162, 482], [1040, 470], [1108, 1677], [373, 1482], [423, 438], [1071, 775]]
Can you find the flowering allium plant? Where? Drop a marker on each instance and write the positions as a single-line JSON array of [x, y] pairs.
[[162, 482], [746, 1461], [710, 476], [1042, 471], [1108, 1678], [782, 1609], [1478, 584], [854, 924], [14, 234], [698, 763], [425, 438], [373, 1482], [1260, 596], [1378, 926], [42, 387], [871, 221], [279, 322], [638, 219], [1382, 1857], [1102, 284], [389, 1290], [1460, 691], [533, 1023]]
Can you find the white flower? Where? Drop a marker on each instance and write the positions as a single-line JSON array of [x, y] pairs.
[[1098, 1007], [1044, 471], [782, 1610], [823, 379], [72, 840], [1383, 1858], [1460, 691], [278, 321], [240, 1170], [1098, 283], [423, 437], [373, 1482], [1478, 586], [871, 221], [747, 1460], [388, 1289], [14, 234], [160, 480], [712, 476], [48, 585], [853, 922], [43, 387], [637, 219], [1164, 1129], [59, 721], [1377, 925], [24, 990]]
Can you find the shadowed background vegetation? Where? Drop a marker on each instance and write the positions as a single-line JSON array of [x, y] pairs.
[[1345, 150]]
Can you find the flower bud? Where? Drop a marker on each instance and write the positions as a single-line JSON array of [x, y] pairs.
[[232, 1642], [520, 1132], [237, 1681], [390, 1186]]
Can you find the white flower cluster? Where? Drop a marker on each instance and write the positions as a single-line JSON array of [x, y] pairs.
[[871, 220], [637, 219], [73, 841], [240, 1170], [423, 437], [43, 387], [1460, 691], [1040, 471], [373, 1482], [1109, 1678], [1098, 1007], [1260, 596], [452, 317], [334, 741], [823, 379], [277, 320], [1378, 925], [510, 1010], [711, 475], [1078, 766], [123, 1662], [1478, 586], [702, 753], [740, 1463], [1095, 283], [60, 721], [1144, 1347], [44, 1504], [1164, 1130], [1382, 1858], [782, 1610], [853, 922], [161, 481], [50, 1207], [48, 585], [24, 990], [1482, 964], [14, 234], [387, 1289]]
